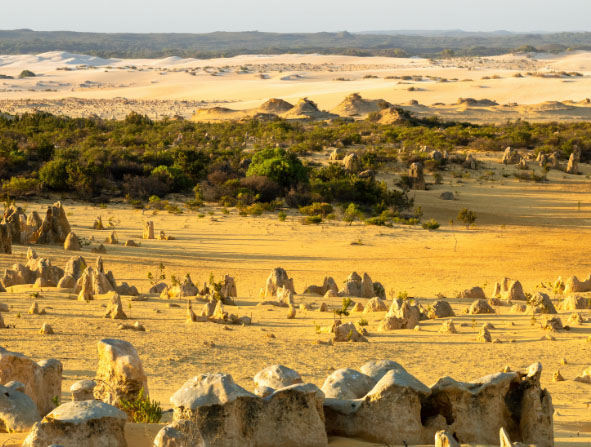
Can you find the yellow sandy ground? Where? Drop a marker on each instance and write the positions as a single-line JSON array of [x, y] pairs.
[[527, 231]]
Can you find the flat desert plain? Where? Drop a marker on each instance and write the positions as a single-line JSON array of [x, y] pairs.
[[540, 87], [528, 231]]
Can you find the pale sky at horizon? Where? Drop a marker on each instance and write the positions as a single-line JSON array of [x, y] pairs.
[[197, 16]]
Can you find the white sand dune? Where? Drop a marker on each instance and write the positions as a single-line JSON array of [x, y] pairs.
[[247, 81]]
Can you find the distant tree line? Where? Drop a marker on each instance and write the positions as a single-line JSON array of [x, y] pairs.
[[228, 44]]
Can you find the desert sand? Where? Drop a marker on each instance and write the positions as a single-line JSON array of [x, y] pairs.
[[551, 87], [533, 232]]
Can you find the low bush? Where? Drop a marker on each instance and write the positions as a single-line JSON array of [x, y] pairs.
[[431, 224]]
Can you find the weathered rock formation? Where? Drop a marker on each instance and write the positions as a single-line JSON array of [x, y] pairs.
[[480, 307], [510, 156], [401, 315], [55, 227], [72, 243], [120, 374], [416, 176], [509, 290], [42, 381], [573, 162], [148, 230], [5, 239], [18, 412], [277, 279]]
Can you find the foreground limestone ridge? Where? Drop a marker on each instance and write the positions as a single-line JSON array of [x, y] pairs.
[[474, 412], [42, 381], [228, 415], [120, 374], [382, 403], [88, 423]]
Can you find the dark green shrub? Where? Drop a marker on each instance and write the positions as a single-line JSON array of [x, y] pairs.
[[26, 74], [312, 220], [142, 410], [317, 209], [431, 224], [467, 217], [283, 167]]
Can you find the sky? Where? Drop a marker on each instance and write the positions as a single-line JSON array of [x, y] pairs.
[[198, 16]]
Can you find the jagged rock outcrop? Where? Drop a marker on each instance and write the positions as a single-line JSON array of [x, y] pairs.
[[98, 223], [401, 315], [541, 303], [148, 230], [584, 377], [353, 285], [94, 281], [277, 279], [181, 290], [87, 423], [115, 309], [75, 267], [228, 291], [46, 329], [55, 226], [509, 290], [13, 218]]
